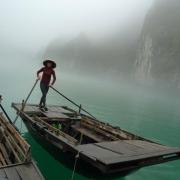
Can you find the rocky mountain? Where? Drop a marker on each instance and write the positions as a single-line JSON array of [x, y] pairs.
[[114, 56], [158, 56]]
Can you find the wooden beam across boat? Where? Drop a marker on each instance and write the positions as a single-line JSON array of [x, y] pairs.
[[107, 148]]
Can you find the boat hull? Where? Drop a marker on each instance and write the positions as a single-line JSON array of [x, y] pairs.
[[127, 153]]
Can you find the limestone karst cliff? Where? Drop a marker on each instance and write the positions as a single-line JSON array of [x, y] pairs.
[[158, 56]]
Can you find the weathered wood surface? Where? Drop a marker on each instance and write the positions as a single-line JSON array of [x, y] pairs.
[[54, 112], [21, 172], [125, 150], [35, 108], [113, 146], [89, 133], [12, 144], [12, 132], [15, 155], [57, 131]]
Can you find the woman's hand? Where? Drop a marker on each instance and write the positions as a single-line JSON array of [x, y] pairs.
[[38, 77]]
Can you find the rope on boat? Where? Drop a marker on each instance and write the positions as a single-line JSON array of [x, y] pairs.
[[24, 103], [79, 106], [76, 158]]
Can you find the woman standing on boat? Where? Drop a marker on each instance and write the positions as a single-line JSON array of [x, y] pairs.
[[48, 72]]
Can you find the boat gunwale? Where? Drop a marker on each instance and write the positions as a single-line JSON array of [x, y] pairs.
[[23, 114], [103, 166], [85, 116]]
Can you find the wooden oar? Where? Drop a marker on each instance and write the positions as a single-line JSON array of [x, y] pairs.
[[79, 106], [24, 103]]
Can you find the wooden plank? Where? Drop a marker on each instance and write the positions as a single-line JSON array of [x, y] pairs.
[[117, 152], [21, 142], [10, 147], [106, 128], [28, 172], [2, 178], [21, 172], [146, 145], [2, 160], [34, 107], [2, 173], [47, 119], [28, 108], [12, 174], [56, 131], [99, 131], [138, 157], [13, 143], [8, 135], [17, 148], [61, 110], [94, 152], [51, 114], [89, 133], [120, 147], [4, 153], [9, 140]]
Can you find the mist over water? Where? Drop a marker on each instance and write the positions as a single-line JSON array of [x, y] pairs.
[[37, 30], [93, 44], [148, 112]]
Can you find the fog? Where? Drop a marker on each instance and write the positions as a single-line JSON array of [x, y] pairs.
[[32, 24], [128, 39]]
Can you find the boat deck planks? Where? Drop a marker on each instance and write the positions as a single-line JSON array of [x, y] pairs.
[[15, 155], [122, 151], [51, 108], [114, 149], [88, 133], [55, 115], [21, 172], [55, 112]]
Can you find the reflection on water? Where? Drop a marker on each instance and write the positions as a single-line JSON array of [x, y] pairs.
[[149, 112]]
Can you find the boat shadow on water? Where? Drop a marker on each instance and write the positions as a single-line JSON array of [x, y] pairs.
[[67, 160]]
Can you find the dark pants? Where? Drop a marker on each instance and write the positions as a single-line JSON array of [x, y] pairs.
[[44, 89]]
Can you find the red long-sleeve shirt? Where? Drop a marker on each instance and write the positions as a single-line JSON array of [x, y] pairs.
[[46, 76]]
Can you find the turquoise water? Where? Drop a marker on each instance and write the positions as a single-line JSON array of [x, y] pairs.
[[151, 113]]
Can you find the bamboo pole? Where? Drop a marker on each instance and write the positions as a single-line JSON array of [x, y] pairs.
[[2, 161], [20, 147], [79, 106], [24, 103], [21, 142], [7, 145], [4, 154]]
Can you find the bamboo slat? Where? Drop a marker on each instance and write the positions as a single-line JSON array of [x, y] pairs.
[[15, 138], [15, 134], [55, 130], [4, 153], [2, 161]]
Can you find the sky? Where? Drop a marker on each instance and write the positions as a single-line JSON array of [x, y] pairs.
[[32, 24]]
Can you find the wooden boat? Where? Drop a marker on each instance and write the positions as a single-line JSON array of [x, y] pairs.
[[15, 155], [107, 148]]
